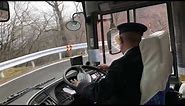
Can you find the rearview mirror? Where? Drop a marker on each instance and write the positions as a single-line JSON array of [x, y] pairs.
[[4, 11], [113, 41]]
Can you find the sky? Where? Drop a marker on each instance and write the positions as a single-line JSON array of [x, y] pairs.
[[69, 7]]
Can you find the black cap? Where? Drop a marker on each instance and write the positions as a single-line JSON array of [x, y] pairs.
[[131, 27]]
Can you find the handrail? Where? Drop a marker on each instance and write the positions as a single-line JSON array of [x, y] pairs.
[[36, 55]]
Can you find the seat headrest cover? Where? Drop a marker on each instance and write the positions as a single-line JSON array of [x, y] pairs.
[[157, 61]]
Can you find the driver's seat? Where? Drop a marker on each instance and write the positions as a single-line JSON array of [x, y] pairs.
[[157, 61]]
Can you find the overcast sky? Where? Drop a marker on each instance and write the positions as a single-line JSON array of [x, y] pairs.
[[69, 7]]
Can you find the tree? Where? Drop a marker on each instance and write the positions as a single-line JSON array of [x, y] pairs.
[[21, 32], [13, 38], [59, 20]]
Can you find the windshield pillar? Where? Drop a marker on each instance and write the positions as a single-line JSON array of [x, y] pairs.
[[179, 22], [91, 9]]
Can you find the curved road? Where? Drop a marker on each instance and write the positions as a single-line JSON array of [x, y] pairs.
[[40, 75]]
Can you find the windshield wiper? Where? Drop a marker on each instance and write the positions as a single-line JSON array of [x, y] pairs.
[[15, 96]]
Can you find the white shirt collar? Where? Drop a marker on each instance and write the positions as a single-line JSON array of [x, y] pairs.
[[127, 51]]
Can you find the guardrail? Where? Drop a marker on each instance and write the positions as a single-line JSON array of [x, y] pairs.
[[36, 55]]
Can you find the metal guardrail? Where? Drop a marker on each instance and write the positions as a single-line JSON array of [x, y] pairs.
[[36, 55]]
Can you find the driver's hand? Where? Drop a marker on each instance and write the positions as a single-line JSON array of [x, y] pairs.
[[103, 67], [75, 82]]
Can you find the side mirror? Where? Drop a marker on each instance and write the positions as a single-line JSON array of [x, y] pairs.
[[73, 25], [4, 11], [112, 40]]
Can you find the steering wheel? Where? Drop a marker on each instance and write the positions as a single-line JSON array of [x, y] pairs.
[[82, 74]]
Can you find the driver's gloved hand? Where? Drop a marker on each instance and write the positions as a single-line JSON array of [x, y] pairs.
[[103, 68], [80, 85], [75, 82]]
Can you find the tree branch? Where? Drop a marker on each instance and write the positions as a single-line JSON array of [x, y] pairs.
[[50, 4]]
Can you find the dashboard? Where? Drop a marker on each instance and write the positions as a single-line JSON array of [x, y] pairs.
[[58, 93], [54, 96], [44, 99]]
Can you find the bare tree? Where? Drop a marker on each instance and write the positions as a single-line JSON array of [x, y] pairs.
[[76, 4], [38, 30], [60, 23], [12, 34], [19, 35]]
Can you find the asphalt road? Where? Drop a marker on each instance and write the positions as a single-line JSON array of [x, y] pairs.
[[40, 75]]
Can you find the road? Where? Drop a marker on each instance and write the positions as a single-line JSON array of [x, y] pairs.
[[40, 75]]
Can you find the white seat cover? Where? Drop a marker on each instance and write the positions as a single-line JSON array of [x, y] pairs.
[[157, 61], [182, 90]]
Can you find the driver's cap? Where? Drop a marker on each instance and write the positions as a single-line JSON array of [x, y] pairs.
[[131, 27]]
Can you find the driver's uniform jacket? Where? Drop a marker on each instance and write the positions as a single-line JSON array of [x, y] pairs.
[[121, 84]]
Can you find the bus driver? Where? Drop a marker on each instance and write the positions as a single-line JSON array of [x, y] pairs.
[[121, 85]]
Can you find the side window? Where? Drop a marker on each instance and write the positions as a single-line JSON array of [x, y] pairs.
[[118, 18], [154, 17]]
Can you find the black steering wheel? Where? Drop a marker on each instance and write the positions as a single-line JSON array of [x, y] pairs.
[[82, 74]]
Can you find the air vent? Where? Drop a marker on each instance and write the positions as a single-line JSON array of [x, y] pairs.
[[48, 101]]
